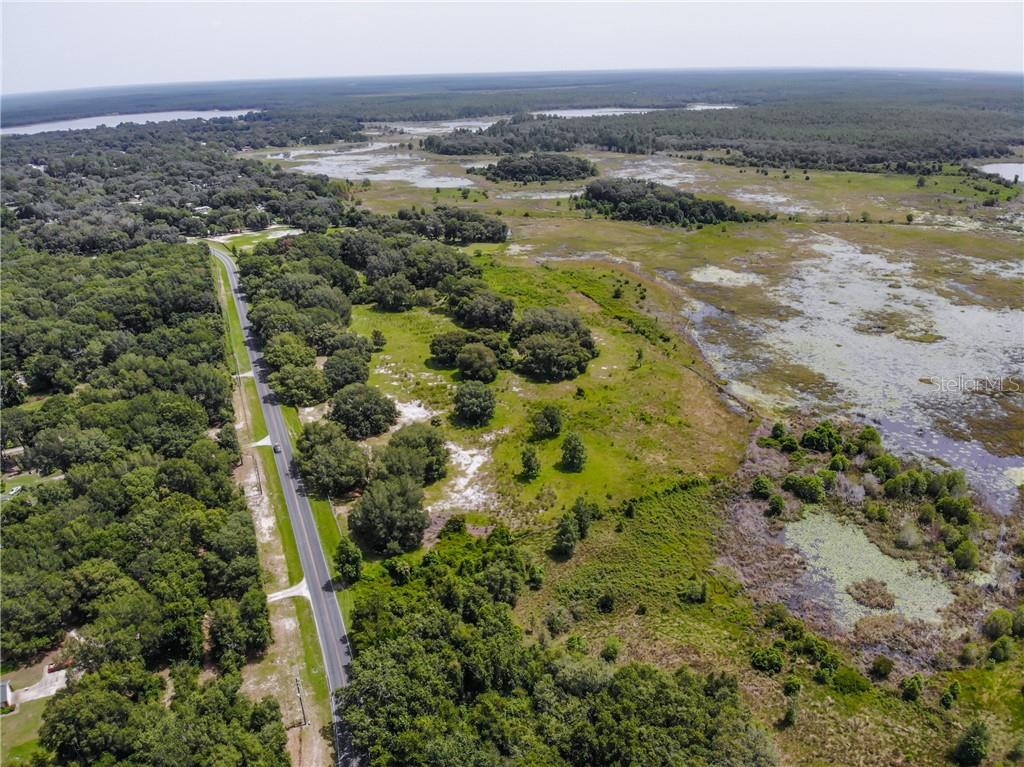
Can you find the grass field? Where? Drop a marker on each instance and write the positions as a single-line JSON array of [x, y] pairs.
[[651, 412], [19, 732]]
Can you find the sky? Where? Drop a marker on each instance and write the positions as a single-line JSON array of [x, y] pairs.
[[53, 46]]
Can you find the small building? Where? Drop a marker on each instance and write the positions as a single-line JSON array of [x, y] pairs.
[[6, 694]]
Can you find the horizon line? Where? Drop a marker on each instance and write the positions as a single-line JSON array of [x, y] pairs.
[[252, 80]]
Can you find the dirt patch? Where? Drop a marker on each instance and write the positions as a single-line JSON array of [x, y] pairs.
[[275, 676]]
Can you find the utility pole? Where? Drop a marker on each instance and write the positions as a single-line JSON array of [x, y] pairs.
[[302, 706]]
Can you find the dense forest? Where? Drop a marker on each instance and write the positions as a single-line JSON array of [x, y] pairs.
[[630, 199], [137, 537], [114, 188], [871, 134], [443, 676], [547, 166]]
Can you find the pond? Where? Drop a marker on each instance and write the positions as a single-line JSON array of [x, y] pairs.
[[840, 555], [1011, 171], [595, 112], [85, 123]]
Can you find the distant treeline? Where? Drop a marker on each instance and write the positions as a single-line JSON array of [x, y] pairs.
[[547, 166], [858, 135], [630, 199], [453, 96]]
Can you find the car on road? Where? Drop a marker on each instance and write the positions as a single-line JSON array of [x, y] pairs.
[[277, 447], [59, 665]]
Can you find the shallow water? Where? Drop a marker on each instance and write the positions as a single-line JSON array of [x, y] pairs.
[[377, 161], [841, 554], [1008, 170], [435, 127], [598, 112], [911, 387], [85, 123]]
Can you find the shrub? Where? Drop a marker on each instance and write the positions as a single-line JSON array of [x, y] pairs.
[[776, 505], [839, 462], [1002, 650], [605, 603], [584, 511], [574, 453], [363, 411], [792, 710], [1018, 622], [806, 488], [828, 478], [966, 556], [912, 687], [612, 648], [558, 622], [788, 444], [885, 466], [778, 430], [477, 363], [792, 686], [348, 559], [849, 680], [547, 422], [344, 367], [972, 748], [694, 591], [998, 623], [474, 403], [567, 535], [823, 438], [766, 659], [954, 510], [882, 666], [762, 487], [389, 516], [950, 695], [531, 464]]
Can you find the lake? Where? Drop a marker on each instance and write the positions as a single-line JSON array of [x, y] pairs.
[[1008, 170], [85, 123]]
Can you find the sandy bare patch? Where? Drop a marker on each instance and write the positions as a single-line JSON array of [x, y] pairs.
[[412, 412], [315, 413], [466, 489], [716, 275]]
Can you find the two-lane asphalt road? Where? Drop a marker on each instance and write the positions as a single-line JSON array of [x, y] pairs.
[[330, 625]]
